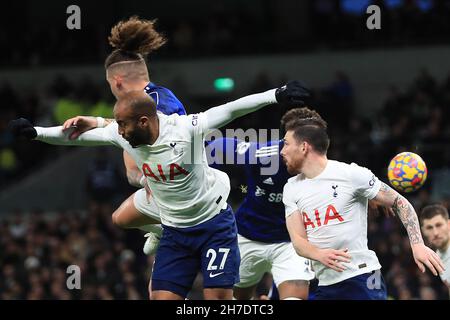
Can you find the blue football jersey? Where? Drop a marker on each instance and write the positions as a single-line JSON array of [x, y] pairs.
[[261, 216], [165, 100]]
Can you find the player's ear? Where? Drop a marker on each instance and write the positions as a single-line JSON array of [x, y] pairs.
[[304, 146], [118, 81], [143, 121]]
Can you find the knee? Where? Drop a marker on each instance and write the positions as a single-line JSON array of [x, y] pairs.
[[294, 289], [117, 220]]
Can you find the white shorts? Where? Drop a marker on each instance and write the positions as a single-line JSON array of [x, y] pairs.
[[147, 208], [280, 259]]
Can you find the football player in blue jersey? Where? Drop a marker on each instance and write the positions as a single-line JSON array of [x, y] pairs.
[[263, 238]]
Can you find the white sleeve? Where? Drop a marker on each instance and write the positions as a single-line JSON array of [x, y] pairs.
[[200, 124], [221, 115], [366, 184], [288, 199], [94, 137], [197, 123]]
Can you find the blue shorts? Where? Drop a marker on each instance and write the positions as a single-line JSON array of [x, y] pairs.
[[210, 247], [367, 286]]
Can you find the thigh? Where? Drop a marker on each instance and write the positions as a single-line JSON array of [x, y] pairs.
[[220, 256], [254, 262], [217, 294], [128, 216], [146, 207], [359, 287], [175, 267], [287, 265]]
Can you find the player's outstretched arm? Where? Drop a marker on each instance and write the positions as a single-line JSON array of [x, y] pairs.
[[294, 93], [58, 136], [423, 255], [81, 124], [329, 257]]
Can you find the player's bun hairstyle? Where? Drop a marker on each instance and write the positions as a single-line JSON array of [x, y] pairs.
[[432, 210], [308, 126], [133, 39]]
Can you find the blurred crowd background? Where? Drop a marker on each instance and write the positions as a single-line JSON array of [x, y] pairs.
[[37, 244], [221, 28]]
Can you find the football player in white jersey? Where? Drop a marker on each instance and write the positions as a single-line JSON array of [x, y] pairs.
[[326, 216], [126, 70], [199, 227], [436, 228]]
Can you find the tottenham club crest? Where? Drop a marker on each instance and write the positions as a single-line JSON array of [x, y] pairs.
[[334, 187]]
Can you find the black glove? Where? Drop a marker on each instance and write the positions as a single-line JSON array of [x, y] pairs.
[[292, 94], [22, 128]]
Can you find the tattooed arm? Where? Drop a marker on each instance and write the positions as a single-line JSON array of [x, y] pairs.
[[405, 211]]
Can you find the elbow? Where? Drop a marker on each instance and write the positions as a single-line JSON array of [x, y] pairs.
[[132, 181]]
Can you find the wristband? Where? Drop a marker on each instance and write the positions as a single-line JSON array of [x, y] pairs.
[[100, 122]]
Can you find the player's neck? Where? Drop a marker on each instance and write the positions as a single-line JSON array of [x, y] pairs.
[[314, 165], [445, 246], [154, 130], [137, 85]]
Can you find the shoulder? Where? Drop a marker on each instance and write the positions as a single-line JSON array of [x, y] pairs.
[[291, 188], [194, 123], [341, 169], [294, 182], [339, 165]]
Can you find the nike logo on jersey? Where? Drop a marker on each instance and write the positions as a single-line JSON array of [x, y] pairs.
[[268, 181], [213, 275], [172, 144]]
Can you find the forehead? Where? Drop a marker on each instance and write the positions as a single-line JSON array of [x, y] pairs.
[[289, 135], [121, 111], [435, 220]]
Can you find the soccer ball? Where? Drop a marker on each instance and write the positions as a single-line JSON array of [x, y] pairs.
[[407, 172]]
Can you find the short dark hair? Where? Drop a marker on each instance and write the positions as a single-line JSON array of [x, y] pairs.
[[302, 113], [140, 103], [432, 210], [311, 131]]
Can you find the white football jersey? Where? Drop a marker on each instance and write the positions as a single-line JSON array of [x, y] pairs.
[[334, 210], [445, 257], [186, 190]]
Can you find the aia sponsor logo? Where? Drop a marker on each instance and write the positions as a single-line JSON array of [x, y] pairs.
[[171, 171], [314, 221]]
